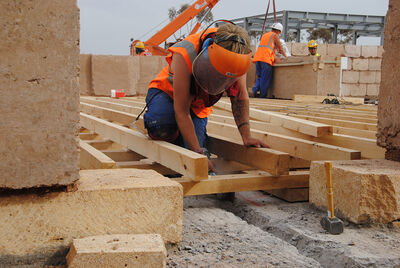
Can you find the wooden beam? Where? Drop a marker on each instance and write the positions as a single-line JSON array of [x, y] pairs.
[[302, 126], [88, 136], [183, 161], [355, 132], [123, 155], [300, 148], [319, 99], [244, 182], [91, 158], [146, 164], [272, 161], [103, 144]]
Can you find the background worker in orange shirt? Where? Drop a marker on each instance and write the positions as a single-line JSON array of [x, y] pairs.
[[312, 48], [265, 59], [201, 68]]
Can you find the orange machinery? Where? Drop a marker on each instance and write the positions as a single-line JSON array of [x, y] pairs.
[[152, 45]]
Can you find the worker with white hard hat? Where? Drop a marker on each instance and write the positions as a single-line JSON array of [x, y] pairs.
[[265, 58]]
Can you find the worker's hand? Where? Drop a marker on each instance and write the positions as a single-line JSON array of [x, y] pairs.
[[253, 142]]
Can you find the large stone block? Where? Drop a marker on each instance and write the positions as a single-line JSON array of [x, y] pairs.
[[389, 95], [368, 77], [39, 103], [145, 69], [373, 89], [354, 90], [369, 51], [116, 201], [363, 190], [360, 64], [335, 50], [118, 251], [299, 49], [85, 75], [374, 64], [322, 49], [352, 51], [111, 72], [351, 77]]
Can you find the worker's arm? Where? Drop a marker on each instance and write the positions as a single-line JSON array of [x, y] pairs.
[[182, 101], [240, 110], [278, 45]]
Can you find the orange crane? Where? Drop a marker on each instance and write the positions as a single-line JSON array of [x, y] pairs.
[[152, 45]]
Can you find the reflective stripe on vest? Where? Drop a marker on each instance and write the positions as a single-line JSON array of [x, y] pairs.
[[266, 50]]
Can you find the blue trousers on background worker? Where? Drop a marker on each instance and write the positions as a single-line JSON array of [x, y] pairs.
[[159, 119], [264, 77]]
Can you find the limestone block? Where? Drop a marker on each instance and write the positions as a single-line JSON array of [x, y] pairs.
[[363, 190], [378, 77], [115, 201], [85, 74], [367, 77], [374, 64], [328, 80], [352, 51], [389, 97], [118, 251], [380, 51], [354, 90], [369, 51], [110, 72], [372, 89], [336, 50], [360, 64], [39, 103], [145, 69], [351, 77], [251, 76], [299, 49], [322, 49]]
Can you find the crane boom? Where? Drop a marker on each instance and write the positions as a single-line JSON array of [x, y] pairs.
[[152, 44]]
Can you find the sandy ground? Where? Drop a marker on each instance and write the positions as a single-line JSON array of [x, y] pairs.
[[258, 230]]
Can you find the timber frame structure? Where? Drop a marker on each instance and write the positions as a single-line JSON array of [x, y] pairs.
[[296, 132]]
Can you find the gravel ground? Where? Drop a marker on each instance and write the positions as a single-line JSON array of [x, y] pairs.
[[257, 230]]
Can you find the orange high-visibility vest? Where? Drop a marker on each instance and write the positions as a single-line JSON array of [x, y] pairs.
[[266, 49], [188, 48]]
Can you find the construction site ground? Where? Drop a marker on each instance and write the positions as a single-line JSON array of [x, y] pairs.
[[259, 230]]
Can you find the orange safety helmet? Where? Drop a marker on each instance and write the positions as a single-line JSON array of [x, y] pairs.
[[216, 68]]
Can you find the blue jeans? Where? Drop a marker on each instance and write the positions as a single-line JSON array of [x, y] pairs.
[[264, 77], [160, 114]]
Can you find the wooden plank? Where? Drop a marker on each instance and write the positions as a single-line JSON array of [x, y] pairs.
[[332, 116], [302, 126], [146, 164], [338, 122], [355, 132], [291, 195], [319, 99], [103, 144], [300, 148], [183, 161], [272, 161], [123, 155], [91, 158], [88, 136], [244, 182]]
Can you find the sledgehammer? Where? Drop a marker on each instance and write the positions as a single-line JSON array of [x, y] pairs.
[[330, 223]]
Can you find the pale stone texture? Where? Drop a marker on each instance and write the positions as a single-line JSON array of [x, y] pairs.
[[351, 77], [145, 69], [380, 51], [85, 75], [373, 89], [378, 77], [115, 201], [363, 190], [111, 72], [39, 103], [322, 49], [352, 51], [369, 51], [354, 90], [389, 95], [336, 50], [360, 64], [299, 49], [374, 64], [118, 251], [367, 77]]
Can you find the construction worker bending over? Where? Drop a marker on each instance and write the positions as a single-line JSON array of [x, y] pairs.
[[312, 48], [265, 58], [201, 68]]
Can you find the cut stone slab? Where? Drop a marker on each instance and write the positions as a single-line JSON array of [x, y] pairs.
[[363, 190], [117, 201], [141, 250]]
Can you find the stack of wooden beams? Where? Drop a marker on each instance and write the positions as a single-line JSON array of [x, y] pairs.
[[297, 133]]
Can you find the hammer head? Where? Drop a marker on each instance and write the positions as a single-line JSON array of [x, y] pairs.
[[332, 225]]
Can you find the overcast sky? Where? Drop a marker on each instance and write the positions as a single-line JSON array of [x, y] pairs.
[[107, 26]]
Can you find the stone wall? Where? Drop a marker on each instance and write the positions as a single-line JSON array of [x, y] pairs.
[[101, 73], [389, 98], [39, 103]]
